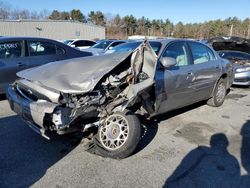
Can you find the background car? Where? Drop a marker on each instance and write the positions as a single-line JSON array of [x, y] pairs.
[[103, 45], [79, 43], [237, 50], [18, 53]]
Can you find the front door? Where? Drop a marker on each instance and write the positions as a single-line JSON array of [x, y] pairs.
[[174, 84]]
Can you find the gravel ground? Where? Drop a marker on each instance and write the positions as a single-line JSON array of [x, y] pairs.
[[197, 146]]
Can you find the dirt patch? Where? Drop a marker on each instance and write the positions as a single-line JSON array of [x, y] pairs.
[[235, 96], [225, 117], [195, 132]]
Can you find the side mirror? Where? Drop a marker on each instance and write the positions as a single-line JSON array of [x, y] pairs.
[[73, 45], [168, 62], [110, 48]]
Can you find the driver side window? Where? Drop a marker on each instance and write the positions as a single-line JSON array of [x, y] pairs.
[[178, 51]]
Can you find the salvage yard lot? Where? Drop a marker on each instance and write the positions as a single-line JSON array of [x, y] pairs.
[[28, 159]]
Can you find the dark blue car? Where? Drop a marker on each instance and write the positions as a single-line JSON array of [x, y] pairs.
[[18, 53]]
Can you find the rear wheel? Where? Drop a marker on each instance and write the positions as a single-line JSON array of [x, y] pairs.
[[218, 94], [119, 135]]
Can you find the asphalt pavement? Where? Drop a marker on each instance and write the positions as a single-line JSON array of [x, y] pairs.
[[196, 146]]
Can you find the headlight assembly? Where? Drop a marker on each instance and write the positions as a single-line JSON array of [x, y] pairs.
[[243, 69]]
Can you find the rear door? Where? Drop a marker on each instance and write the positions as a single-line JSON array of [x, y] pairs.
[[12, 60], [174, 84], [42, 52], [206, 70]]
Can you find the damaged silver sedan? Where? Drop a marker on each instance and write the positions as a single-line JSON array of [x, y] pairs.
[[108, 91]]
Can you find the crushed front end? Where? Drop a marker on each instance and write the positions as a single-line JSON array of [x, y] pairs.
[[77, 103]]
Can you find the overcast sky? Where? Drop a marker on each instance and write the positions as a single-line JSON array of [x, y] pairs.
[[176, 10]]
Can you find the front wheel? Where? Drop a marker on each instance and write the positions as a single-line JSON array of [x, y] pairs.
[[219, 94], [119, 135]]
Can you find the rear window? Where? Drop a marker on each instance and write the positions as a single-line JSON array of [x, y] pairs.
[[37, 48], [11, 49]]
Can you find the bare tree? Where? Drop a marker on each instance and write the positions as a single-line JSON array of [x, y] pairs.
[[4, 10]]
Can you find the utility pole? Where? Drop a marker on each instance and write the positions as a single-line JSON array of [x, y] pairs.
[[231, 30], [248, 31]]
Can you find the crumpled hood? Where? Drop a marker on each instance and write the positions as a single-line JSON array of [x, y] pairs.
[[230, 43], [79, 75]]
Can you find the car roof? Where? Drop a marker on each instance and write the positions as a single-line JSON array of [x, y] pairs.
[[81, 39], [22, 38]]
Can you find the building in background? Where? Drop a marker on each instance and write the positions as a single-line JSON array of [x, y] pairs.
[[53, 29]]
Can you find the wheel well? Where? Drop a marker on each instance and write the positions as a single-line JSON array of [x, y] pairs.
[[224, 76]]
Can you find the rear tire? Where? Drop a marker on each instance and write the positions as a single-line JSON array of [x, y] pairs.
[[119, 135], [219, 94]]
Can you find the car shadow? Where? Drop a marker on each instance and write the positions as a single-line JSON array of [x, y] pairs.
[[150, 126], [2, 97], [25, 156], [213, 166], [245, 152]]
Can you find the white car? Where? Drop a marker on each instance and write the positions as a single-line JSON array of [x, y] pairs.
[[79, 43]]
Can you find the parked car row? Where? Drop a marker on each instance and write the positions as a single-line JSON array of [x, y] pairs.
[[106, 92]]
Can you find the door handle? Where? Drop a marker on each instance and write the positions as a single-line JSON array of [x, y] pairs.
[[20, 64], [217, 67], [190, 76]]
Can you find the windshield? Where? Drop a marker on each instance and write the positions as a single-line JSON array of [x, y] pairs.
[[234, 55], [127, 47], [102, 44], [67, 41]]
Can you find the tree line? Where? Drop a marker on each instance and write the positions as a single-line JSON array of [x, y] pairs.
[[120, 27]]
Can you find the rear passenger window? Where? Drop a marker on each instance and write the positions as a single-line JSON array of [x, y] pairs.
[[60, 50], [37, 48], [11, 49], [199, 53], [211, 54], [177, 51]]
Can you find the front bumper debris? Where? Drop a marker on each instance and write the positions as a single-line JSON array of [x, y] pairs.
[[33, 112]]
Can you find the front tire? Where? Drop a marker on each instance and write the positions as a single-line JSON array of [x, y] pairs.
[[119, 135], [219, 94]]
